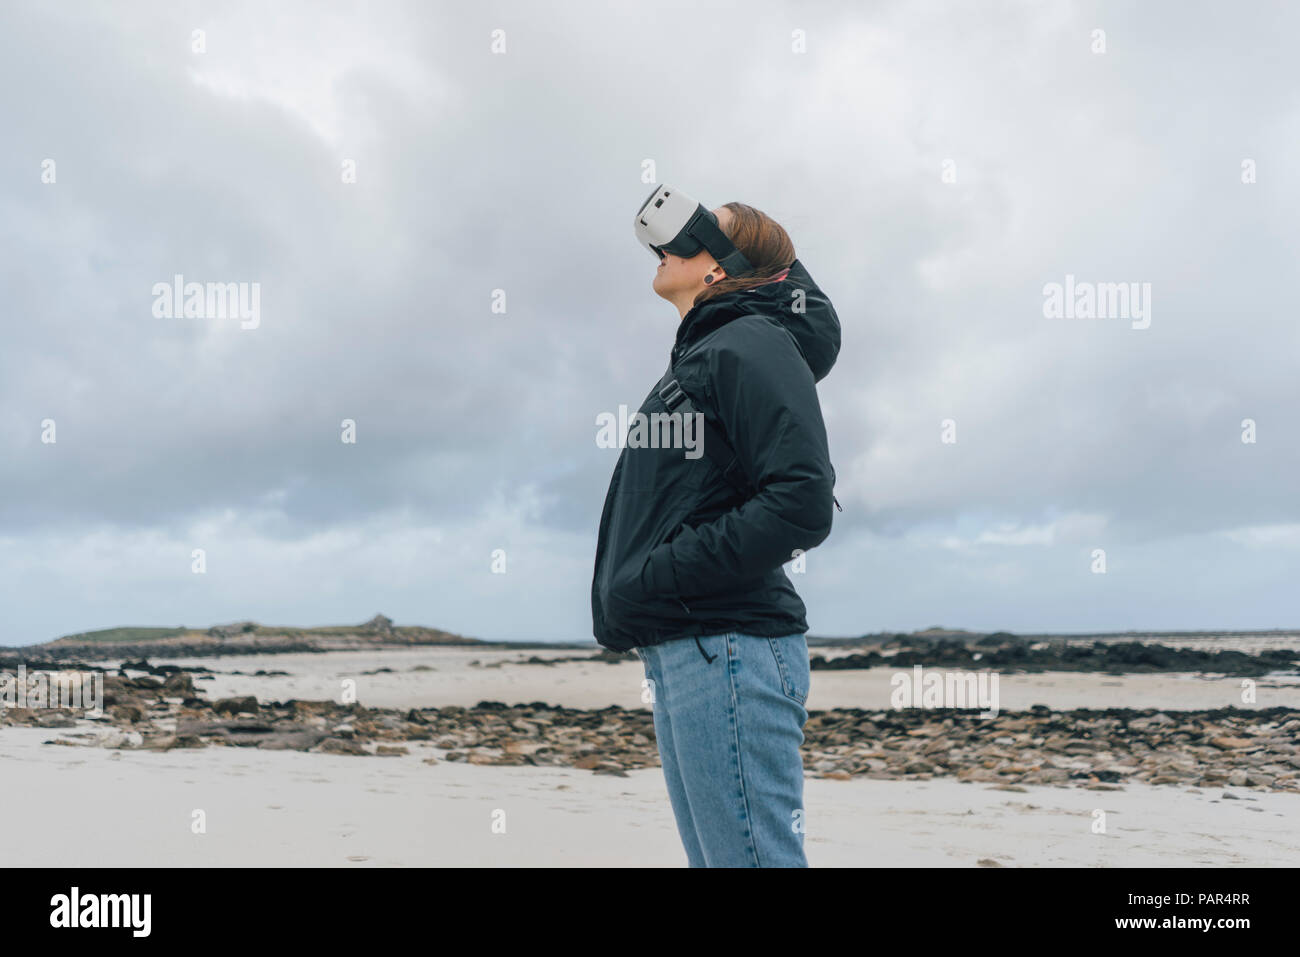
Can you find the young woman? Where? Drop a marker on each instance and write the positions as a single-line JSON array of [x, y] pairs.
[[688, 567]]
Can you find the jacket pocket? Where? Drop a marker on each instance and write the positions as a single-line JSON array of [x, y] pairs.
[[791, 654]]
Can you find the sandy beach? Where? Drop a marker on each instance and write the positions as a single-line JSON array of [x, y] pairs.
[[291, 807], [94, 807]]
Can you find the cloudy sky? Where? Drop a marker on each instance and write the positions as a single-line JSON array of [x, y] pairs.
[[937, 166]]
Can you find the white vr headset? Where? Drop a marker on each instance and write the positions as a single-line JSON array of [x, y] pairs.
[[670, 221]]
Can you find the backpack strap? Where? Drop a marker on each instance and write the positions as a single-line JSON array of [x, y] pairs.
[[716, 446]]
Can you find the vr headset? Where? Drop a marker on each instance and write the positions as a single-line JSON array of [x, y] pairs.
[[670, 221]]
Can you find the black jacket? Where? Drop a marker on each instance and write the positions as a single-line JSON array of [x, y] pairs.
[[680, 553]]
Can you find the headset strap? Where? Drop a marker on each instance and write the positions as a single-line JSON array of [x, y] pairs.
[[710, 234]]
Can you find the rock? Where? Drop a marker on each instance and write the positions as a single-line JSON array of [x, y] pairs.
[[236, 705], [303, 740], [1227, 743], [1080, 745], [233, 629], [1047, 776], [180, 684], [311, 707], [54, 719], [223, 728], [130, 713], [121, 739], [340, 746], [1108, 774], [391, 750], [1154, 721], [524, 747]]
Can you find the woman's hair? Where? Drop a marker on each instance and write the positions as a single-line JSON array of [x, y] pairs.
[[765, 244]]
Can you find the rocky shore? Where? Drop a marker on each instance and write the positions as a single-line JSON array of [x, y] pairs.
[[236, 638], [1004, 652], [1097, 749]]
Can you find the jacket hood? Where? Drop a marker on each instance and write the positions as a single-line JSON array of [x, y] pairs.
[[816, 330]]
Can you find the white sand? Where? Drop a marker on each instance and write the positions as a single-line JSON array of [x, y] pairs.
[[597, 684], [92, 807]]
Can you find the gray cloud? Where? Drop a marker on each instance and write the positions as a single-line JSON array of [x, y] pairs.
[[520, 172]]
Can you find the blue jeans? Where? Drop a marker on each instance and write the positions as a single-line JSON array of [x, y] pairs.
[[729, 730]]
